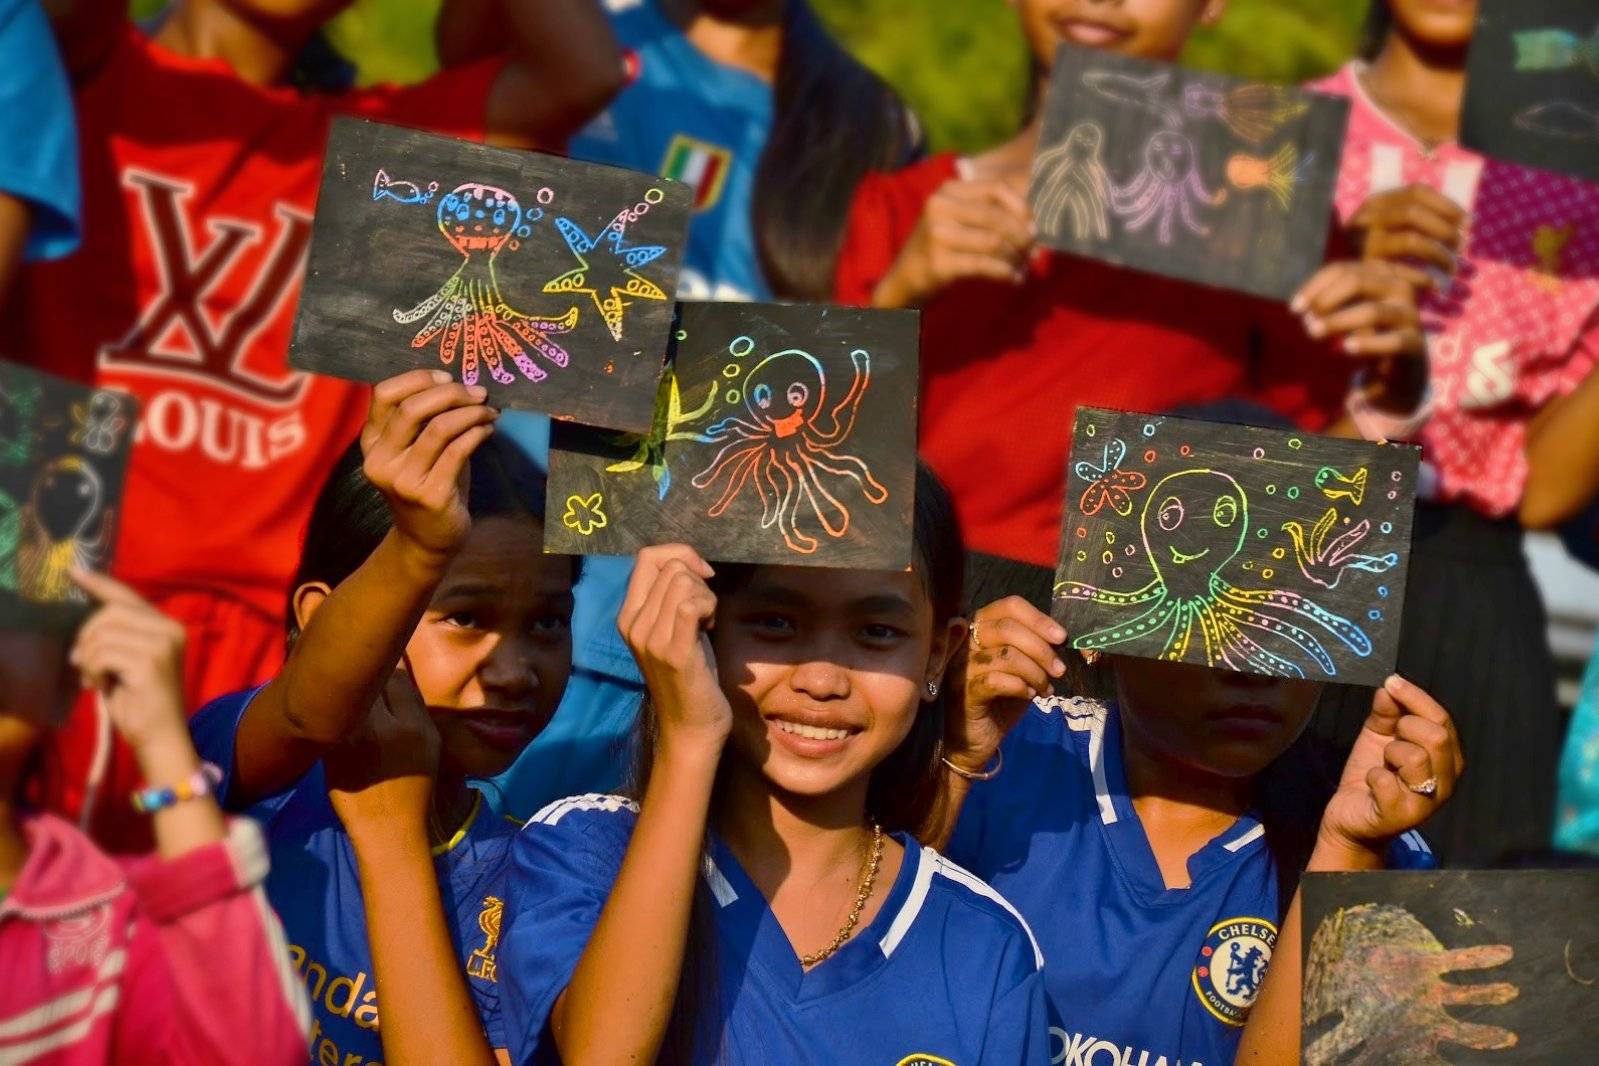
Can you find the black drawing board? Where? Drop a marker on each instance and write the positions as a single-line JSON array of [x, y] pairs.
[[1187, 174], [1261, 550], [784, 433], [547, 281], [63, 459], [1532, 85], [1470, 966]]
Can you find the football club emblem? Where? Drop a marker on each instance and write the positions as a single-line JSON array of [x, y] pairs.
[[1232, 964], [700, 165], [920, 1059]]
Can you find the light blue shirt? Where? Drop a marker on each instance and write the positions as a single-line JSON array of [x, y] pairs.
[[40, 162]]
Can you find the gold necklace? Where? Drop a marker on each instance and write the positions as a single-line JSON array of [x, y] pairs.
[[868, 880]]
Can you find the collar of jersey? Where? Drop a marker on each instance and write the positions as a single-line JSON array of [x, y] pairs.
[[466, 826], [751, 936], [1125, 836]]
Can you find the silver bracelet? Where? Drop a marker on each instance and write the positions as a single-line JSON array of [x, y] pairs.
[[980, 775]]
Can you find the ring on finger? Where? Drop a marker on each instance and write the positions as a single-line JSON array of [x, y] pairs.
[[1426, 788], [976, 642]]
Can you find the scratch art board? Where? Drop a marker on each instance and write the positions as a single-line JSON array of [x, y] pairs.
[[1187, 174], [783, 434], [63, 457], [547, 281], [1260, 550], [1470, 966], [1532, 85]]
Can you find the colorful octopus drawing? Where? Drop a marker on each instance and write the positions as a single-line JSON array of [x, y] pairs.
[[468, 314], [1168, 188], [1072, 183], [1189, 509], [55, 533], [788, 443]]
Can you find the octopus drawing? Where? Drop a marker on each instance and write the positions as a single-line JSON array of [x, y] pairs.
[[1378, 972], [1267, 631], [1072, 182], [468, 314], [1168, 189], [787, 447], [55, 536]]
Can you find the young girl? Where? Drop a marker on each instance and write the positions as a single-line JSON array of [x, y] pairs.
[[1513, 439], [201, 165], [759, 898], [754, 104], [1143, 839], [171, 959], [427, 553], [1010, 337]]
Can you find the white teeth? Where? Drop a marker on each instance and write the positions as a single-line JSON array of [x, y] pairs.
[[811, 732]]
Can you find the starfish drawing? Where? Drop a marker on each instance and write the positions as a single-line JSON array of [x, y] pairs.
[[581, 278], [667, 424]]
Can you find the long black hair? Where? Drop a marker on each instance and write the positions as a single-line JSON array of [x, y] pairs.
[[1379, 21], [351, 517], [900, 794], [833, 121]]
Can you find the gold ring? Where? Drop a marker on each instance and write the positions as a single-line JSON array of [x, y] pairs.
[[977, 644]]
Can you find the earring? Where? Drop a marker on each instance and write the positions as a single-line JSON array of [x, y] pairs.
[[932, 690]]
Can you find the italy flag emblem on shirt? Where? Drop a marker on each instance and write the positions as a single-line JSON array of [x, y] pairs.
[[697, 163]]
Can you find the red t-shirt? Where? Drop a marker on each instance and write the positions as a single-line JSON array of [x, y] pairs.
[[1004, 367], [198, 193]]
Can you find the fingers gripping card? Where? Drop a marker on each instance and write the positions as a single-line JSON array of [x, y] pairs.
[[1259, 550], [63, 458], [1438, 967], [1532, 85], [1187, 174], [783, 434], [547, 281]]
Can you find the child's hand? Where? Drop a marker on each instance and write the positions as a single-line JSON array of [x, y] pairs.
[[1370, 307], [381, 779], [1403, 767], [133, 654], [977, 228], [1415, 224], [665, 620], [421, 430], [1009, 661]]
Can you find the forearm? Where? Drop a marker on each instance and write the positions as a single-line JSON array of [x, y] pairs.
[[566, 66], [1562, 458], [619, 1002], [1272, 1035], [15, 219], [187, 824], [428, 1014]]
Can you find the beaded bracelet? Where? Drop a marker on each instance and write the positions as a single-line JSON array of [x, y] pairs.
[[203, 783]]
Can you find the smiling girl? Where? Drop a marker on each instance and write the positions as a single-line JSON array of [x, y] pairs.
[[424, 550], [759, 896]]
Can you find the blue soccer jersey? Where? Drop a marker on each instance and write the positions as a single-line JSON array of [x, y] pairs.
[[946, 973], [1139, 974], [315, 887], [687, 117]]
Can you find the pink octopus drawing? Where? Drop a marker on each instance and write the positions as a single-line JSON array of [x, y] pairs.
[[788, 443], [467, 313], [1167, 189]]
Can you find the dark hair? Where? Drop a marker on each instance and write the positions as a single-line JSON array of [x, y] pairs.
[[1379, 21], [833, 121], [903, 787], [351, 517]]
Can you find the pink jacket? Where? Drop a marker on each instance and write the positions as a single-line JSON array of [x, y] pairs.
[[153, 961]]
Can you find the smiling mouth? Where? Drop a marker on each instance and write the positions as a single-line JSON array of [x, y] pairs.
[[1089, 33], [810, 732], [1183, 557]]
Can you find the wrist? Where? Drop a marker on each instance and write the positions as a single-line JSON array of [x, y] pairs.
[[694, 753], [417, 561], [167, 760], [1337, 851], [896, 290]]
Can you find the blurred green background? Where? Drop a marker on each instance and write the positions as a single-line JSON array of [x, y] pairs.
[[960, 63]]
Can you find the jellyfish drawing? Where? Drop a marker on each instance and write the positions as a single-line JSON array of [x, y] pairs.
[[1072, 182], [787, 447], [1208, 512], [1252, 112], [1323, 560], [467, 314], [1278, 174], [1169, 188], [618, 290], [1378, 973], [63, 504]]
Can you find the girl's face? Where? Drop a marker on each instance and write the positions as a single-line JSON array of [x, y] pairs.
[[1216, 721], [1150, 29], [493, 651], [825, 676], [1443, 25]]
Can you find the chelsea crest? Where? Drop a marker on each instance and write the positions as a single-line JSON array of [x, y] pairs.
[[1232, 963]]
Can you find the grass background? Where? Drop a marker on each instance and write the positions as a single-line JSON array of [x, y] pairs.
[[960, 63]]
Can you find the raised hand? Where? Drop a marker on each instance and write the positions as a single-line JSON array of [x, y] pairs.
[[666, 619], [1010, 659], [1416, 224], [970, 228], [133, 654], [420, 432]]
